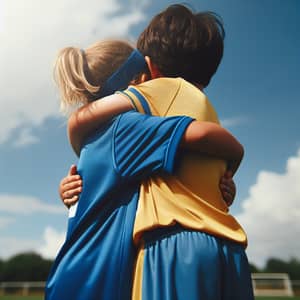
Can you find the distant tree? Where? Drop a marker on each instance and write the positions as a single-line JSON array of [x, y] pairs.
[[254, 268], [292, 267], [275, 265], [1, 268], [26, 267]]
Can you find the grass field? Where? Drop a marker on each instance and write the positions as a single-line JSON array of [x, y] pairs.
[[21, 298], [41, 298], [271, 298]]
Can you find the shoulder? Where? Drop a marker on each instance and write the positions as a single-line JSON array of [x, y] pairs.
[[161, 84], [154, 96], [133, 121]]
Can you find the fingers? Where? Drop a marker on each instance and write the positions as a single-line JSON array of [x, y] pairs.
[[70, 201], [72, 170], [228, 198], [68, 180], [228, 174], [70, 186], [228, 189], [228, 185]]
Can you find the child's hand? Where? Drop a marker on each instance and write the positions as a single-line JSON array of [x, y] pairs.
[[70, 187], [227, 187]]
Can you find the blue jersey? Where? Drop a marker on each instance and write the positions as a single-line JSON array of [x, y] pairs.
[[96, 260]]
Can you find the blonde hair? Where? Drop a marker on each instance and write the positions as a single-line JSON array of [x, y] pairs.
[[81, 74]]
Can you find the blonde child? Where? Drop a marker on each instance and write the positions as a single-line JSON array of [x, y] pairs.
[[179, 210], [96, 260]]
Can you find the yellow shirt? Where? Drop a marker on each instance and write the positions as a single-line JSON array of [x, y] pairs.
[[191, 196]]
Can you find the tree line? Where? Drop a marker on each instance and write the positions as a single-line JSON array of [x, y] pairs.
[[275, 265], [33, 267], [25, 267]]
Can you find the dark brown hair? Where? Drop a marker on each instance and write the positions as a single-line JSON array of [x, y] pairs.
[[184, 44]]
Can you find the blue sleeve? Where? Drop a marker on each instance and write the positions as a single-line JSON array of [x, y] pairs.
[[146, 144]]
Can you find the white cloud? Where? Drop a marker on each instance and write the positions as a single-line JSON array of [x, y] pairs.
[[52, 242], [271, 214], [234, 121], [25, 138], [48, 245], [32, 32], [12, 246], [25, 205]]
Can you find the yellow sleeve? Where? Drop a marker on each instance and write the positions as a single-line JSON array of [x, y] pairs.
[[135, 96]]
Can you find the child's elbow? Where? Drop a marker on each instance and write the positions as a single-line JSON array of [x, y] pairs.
[[74, 133], [242, 151]]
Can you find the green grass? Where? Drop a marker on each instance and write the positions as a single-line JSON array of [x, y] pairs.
[[271, 298], [41, 298], [21, 298]]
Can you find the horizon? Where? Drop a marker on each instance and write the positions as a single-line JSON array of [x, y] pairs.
[[255, 92]]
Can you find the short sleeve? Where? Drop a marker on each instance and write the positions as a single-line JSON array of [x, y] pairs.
[[144, 144]]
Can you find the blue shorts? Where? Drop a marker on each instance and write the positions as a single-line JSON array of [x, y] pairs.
[[179, 264]]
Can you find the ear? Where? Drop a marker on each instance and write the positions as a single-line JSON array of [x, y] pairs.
[[144, 77], [154, 71]]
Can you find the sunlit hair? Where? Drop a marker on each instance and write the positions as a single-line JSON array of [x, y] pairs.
[[184, 44], [81, 74]]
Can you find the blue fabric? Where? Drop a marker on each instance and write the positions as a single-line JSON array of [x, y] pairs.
[[181, 264], [120, 79], [142, 100], [96, 260]]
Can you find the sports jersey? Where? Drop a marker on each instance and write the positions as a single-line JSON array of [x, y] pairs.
[[192, 197], [96, 260], [188, 242]]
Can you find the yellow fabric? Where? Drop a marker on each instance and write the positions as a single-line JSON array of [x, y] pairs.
[[192, 196], [138, 106]]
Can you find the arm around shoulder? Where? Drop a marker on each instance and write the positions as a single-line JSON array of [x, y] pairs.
[[211, 139], [89, 117]]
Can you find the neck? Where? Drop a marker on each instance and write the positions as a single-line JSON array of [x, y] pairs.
[[199, 86]]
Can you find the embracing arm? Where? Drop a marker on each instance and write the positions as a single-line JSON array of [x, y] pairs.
[[70, 187], [90, 116], [211, 139], [204, 137]]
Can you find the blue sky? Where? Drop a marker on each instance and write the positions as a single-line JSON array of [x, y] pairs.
[[255, 93]]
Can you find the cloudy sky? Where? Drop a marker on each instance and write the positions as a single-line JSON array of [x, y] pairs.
[[255, 93]]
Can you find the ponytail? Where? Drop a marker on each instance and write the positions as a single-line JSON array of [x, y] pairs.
[[71, 75], [80, 75]]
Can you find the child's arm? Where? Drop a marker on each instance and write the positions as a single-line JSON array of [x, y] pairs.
[[90, 116], [211, 139], [70, 187], [205, 137]]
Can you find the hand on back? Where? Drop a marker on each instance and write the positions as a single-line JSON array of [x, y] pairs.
[[71, 186]]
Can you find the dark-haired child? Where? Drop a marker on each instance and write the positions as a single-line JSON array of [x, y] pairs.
[[190, 247]]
